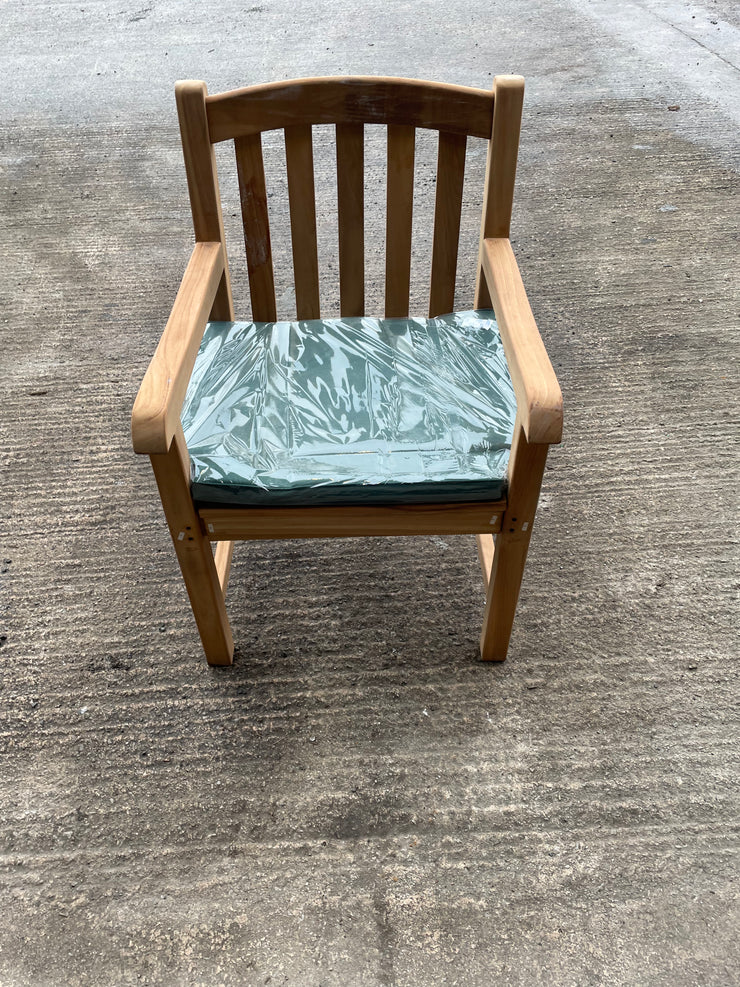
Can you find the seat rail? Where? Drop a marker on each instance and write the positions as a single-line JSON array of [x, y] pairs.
[[255, 523]]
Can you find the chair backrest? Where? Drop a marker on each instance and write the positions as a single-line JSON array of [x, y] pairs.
[[402, 105]]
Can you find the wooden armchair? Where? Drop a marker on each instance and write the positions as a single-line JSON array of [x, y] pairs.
[[502, 519]]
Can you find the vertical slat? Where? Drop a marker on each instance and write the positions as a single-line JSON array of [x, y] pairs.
[[253, 195], [399, 210], [503, 150], [351, 209], [299, 161], [447, 208], [200, 167]]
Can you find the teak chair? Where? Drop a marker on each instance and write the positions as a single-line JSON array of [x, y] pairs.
[[502, 523]]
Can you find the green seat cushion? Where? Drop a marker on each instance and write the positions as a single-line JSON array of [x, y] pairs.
[[350, 411]]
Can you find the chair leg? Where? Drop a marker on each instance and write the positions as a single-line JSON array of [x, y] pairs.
[[199, 568], [502, 597], [526, 466], [222, 558]]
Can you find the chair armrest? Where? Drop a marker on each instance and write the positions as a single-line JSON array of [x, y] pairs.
[[538, 395], [158, 404]]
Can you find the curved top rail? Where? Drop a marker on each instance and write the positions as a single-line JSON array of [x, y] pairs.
[[350, 99]]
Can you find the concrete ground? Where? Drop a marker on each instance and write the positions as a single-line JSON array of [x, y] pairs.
[[358, 801]]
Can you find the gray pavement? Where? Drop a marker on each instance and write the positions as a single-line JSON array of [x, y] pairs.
[[358, 801]]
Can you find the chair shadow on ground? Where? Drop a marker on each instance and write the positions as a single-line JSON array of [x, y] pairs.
[[374, 600]]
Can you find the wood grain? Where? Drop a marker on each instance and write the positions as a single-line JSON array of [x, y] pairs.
[[301, 194], [236, 523], [156, 413], [447, 209], [503, 151], [253, 196], [526, 466], [399, 214], [358, 99], [202, 176], [172, 472], [222, 558], [351, 216], [539, 399], [486, 549]]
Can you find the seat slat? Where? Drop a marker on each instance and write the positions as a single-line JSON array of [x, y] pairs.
[[253, 195], [351, 210], [447, 209], [399, 213], [302, 197]]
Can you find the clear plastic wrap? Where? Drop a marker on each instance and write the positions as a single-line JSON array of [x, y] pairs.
[[348, 411]]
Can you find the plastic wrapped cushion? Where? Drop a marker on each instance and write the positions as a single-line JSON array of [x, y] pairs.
[[348, 411]]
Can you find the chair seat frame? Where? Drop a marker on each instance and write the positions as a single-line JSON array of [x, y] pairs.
[[503, 527]]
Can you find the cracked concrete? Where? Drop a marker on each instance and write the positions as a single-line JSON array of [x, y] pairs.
[[358, 801]]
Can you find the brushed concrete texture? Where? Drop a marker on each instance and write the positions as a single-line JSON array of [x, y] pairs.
[[358, 801]]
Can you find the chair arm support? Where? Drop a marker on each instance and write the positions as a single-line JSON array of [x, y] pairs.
[[538, 395], [158, 404]]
